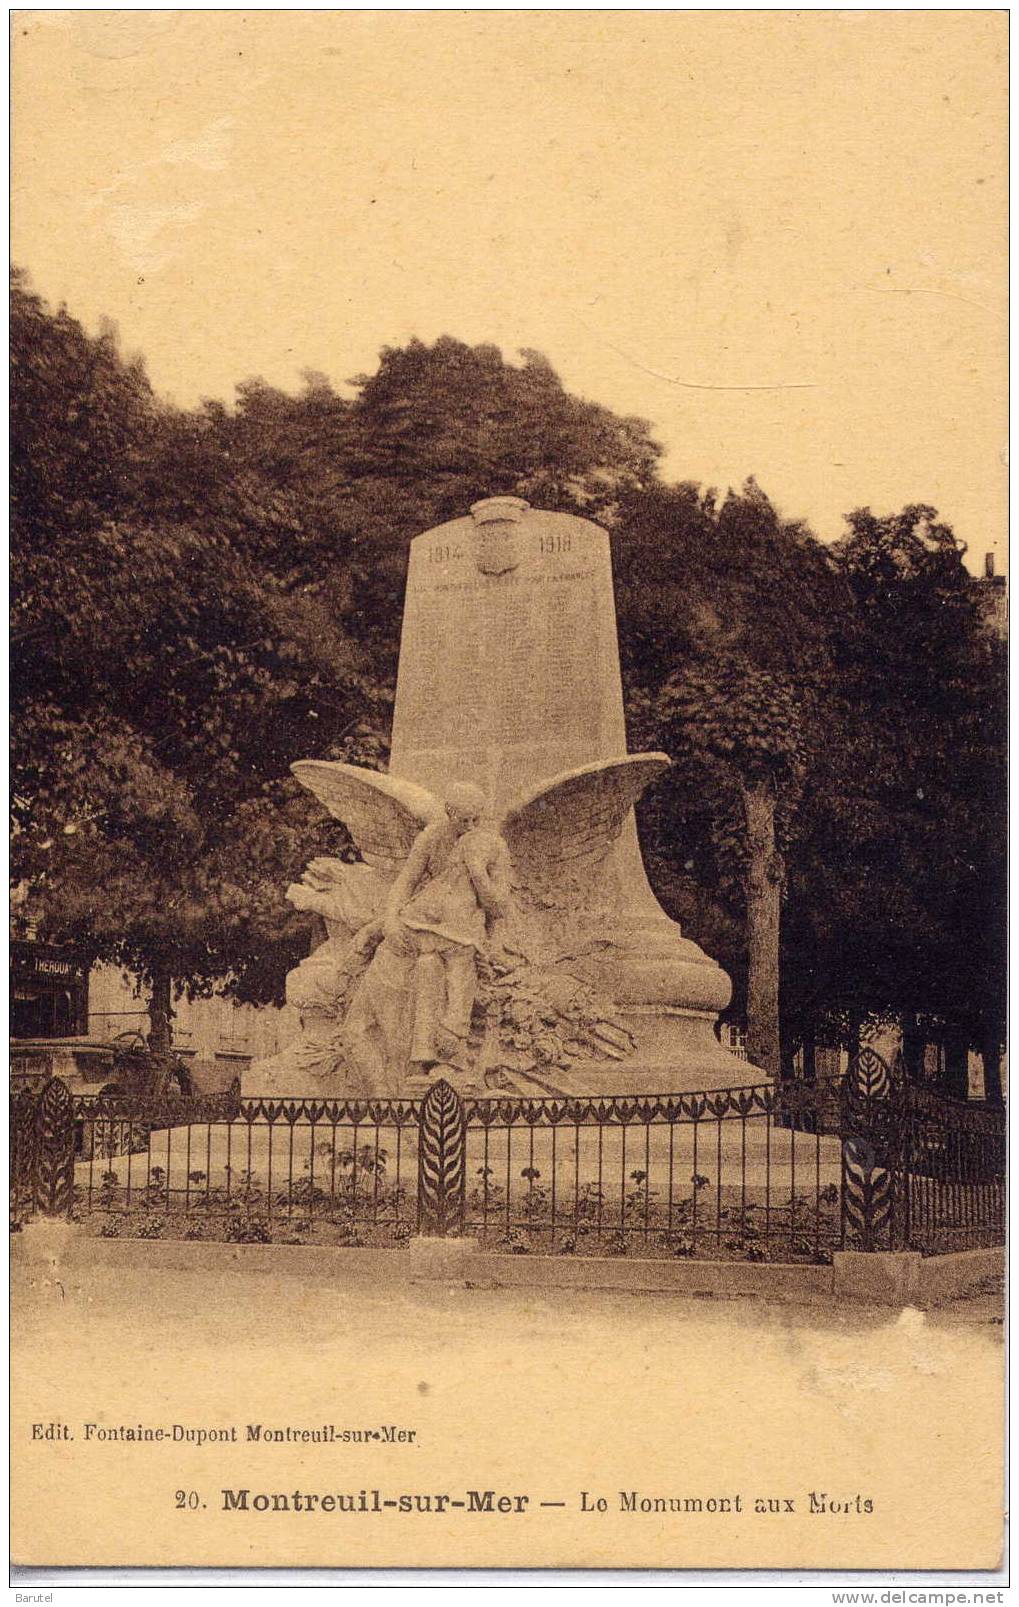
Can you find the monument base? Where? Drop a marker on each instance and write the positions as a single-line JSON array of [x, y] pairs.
[[677, 1052]]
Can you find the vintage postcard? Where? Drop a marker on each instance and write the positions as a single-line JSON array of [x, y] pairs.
[[509, 629]]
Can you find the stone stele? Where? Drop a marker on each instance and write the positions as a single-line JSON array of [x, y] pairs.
[[509, 675], [509, 680]]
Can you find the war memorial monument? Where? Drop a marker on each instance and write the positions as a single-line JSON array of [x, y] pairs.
[[500, 930]]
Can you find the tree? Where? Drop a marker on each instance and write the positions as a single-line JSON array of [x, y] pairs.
[[724, 629], [434, 429], [460, 423], [327, 492], [892, 845], [81, 422], [163, 681], [163, 689], [743, 725], [200, 597], [910, 804]]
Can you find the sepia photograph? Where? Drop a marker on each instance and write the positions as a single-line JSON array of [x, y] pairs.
[[508, 860]]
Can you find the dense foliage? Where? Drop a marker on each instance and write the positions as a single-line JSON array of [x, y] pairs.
[[200, 596]]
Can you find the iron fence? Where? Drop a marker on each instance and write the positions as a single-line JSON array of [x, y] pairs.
[[731, 1174], [268, 1169], [761, 1173]]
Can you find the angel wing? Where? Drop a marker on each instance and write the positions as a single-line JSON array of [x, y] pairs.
[[382, 813], [568, 824]]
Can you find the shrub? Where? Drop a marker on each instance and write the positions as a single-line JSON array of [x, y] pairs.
[[249, 1230]]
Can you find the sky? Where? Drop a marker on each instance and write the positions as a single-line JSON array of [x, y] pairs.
[[779, 237]]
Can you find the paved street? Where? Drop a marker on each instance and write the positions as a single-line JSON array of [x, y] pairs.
[[223, 1306]]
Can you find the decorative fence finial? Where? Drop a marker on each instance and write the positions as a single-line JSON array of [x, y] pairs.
[[54, 1150], [441, 1162]]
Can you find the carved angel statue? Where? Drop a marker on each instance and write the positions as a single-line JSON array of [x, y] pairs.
[[441, 958]]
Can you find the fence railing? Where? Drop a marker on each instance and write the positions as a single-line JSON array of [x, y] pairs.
[[761, 1173]]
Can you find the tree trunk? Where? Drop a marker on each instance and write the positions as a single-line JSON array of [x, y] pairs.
[[990, 1053], [764, 893], [810, 1052], [854, 1036], [789, 1048], [912, 1047], [160, 1013], [956, 1063]]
